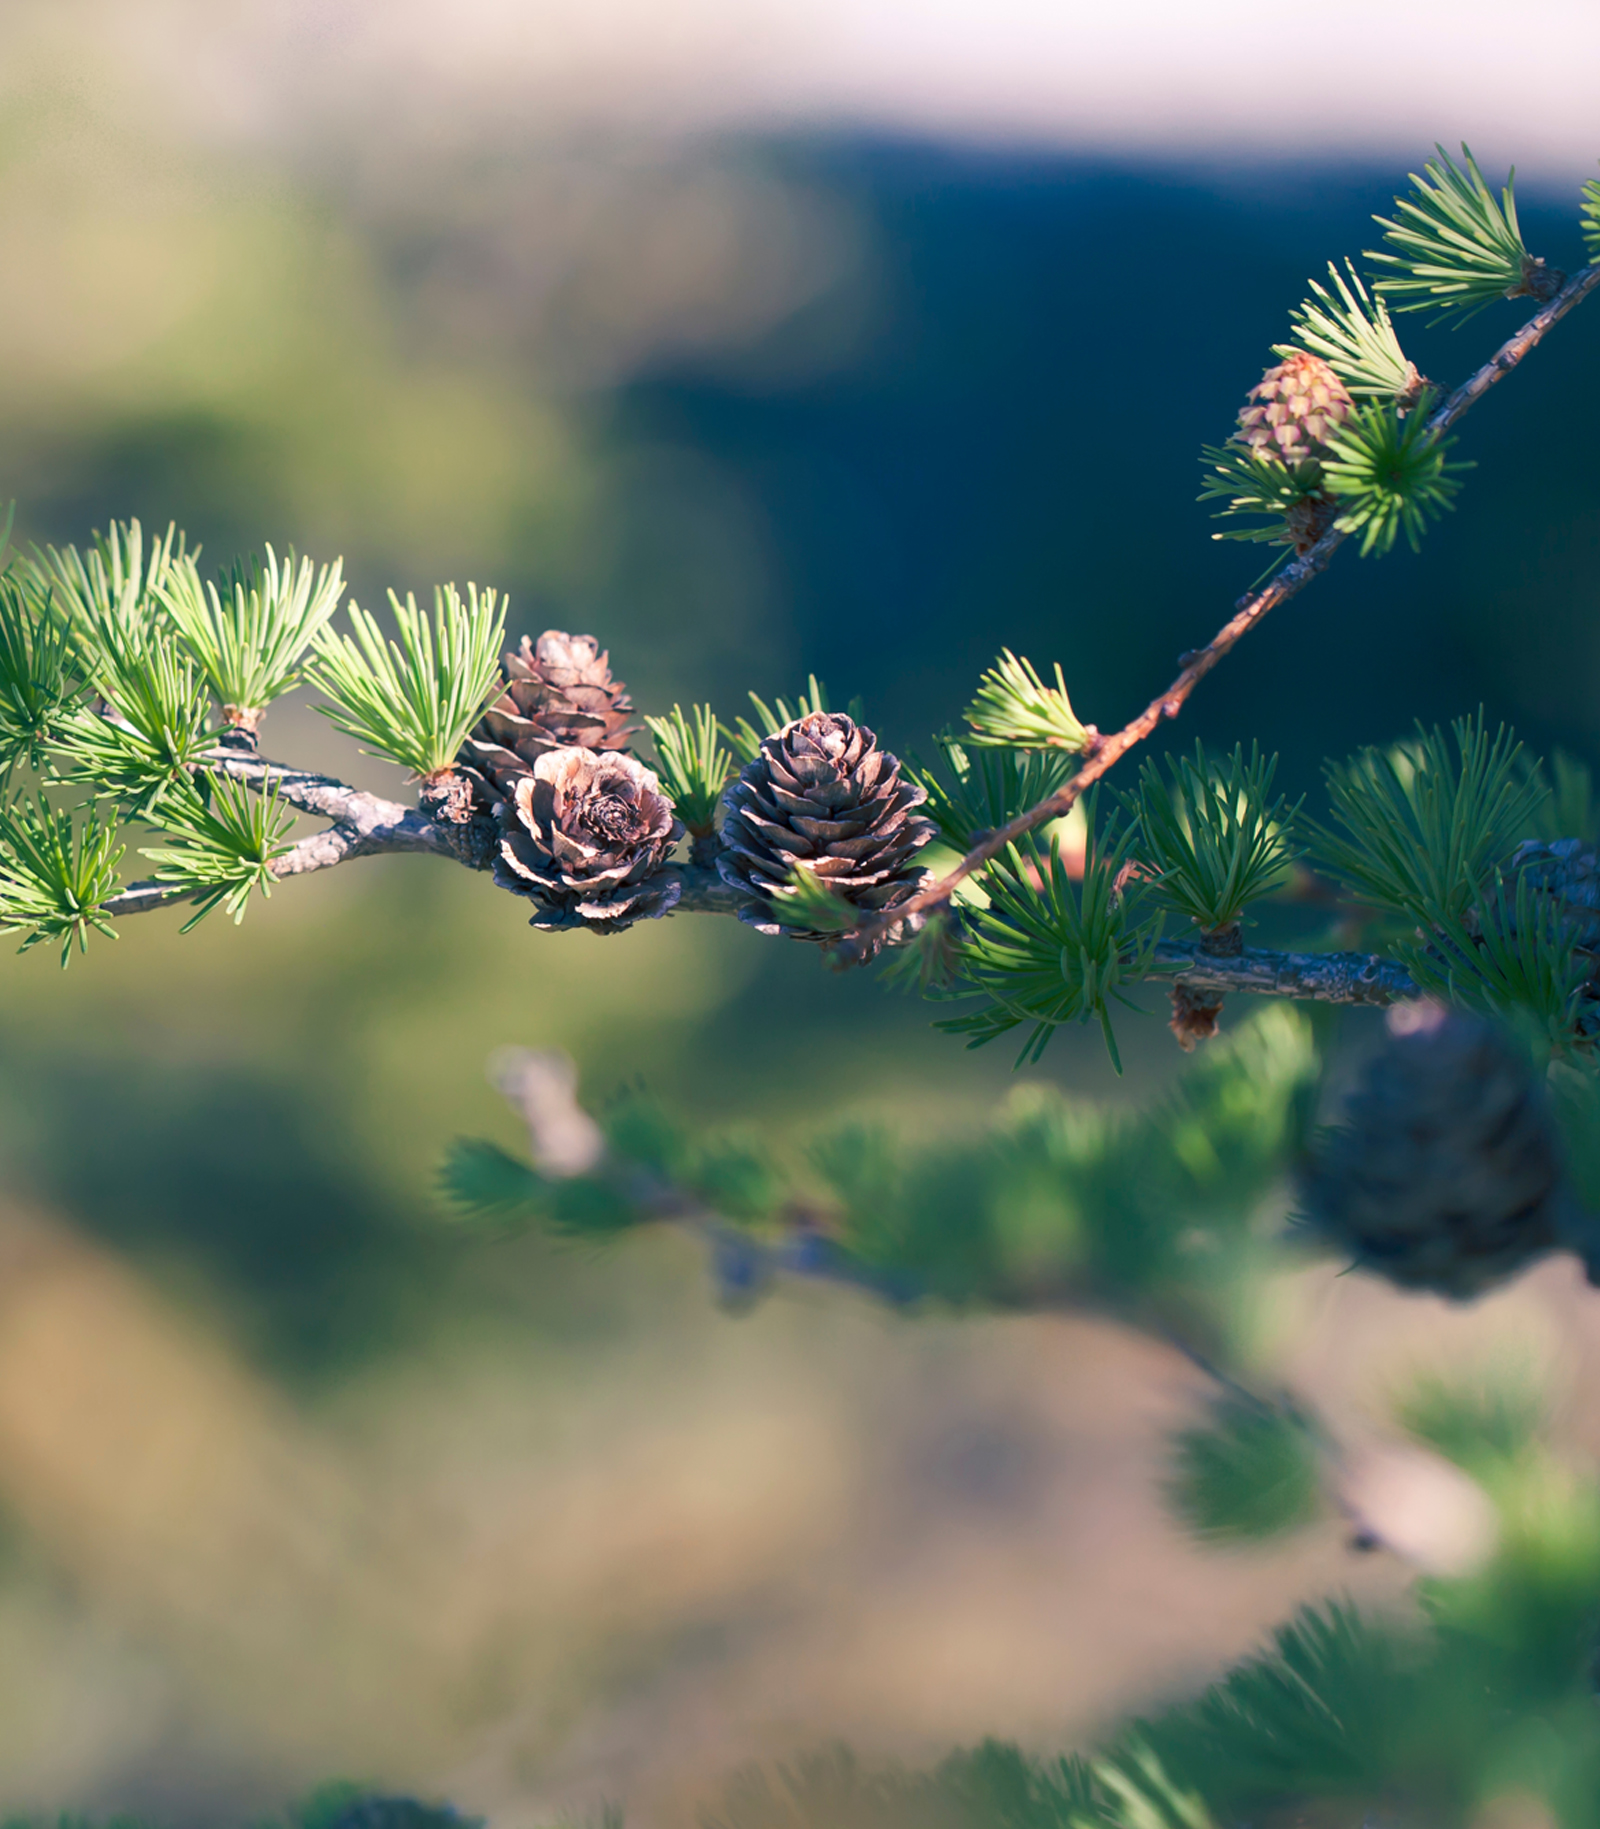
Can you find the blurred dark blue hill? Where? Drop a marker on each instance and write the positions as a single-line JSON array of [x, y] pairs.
[[1011, 458], [1006, 454]]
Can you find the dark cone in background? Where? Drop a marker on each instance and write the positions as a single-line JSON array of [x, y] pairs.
[[1565, 875], [583, 835], [1448, 1173], [822, 794], [559, 695]]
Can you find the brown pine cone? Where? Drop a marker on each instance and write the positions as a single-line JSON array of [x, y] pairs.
[[1195, 1016], [1448, 1173], [559, 695], [821, 793], [583, 835]]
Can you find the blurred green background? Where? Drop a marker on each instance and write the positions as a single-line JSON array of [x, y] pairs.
[[296, 1478]]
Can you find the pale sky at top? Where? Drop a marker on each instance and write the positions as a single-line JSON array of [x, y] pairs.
[[1222, 77]]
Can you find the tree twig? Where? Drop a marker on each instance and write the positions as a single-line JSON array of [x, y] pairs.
[[1317, 977], [364, 825], [321, 795], [1247, 613], [542, 1087], [376, 826], [1364, 978]]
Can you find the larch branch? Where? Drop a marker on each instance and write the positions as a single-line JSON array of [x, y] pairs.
[[364, 825], [1365, 978], [321, 795], [1249, 611]]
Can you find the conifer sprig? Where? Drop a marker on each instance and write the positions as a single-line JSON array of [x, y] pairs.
[[227, 838], [414, 700], [109, 594], [1014, 709], [929, 962], [1589, 218], [1140, 1207], [1389, 475], [1047, 950], [1323, 1711], [1481, 1422], [745, 739], [153, 729], [1512, 957], [56, 874], [1136, 1793], [1353, 334], [1213, 835], [1458, 251], [807, 902], [39, 680], [250, 636], [693, 765], [1572, 809], [986, 786], [1424, 829], [1250, 1470], [1258, 487], [482, 1181]]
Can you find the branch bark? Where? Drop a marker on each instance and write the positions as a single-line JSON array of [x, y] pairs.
[[320, 795], [1318, 977], [372, 826], [1356, 978], [1249, 611], [364, 825]]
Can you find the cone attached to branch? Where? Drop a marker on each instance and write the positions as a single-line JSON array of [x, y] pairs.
[[559, 694], [1448, 1174], [1196, 1016], [821, 795], [1290, 417], [1293, 410], [584, 834]]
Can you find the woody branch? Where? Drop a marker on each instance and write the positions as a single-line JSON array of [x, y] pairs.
[[367, 825], [1249, 611]]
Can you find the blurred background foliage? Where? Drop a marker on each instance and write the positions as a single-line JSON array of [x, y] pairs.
[[296, 1479]]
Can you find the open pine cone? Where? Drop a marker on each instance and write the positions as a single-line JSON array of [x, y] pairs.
[[821, 793], [583, 834], [1448, 1174], [559, 695]]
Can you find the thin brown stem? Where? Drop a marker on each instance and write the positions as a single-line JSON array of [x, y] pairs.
[[1249, 611]]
